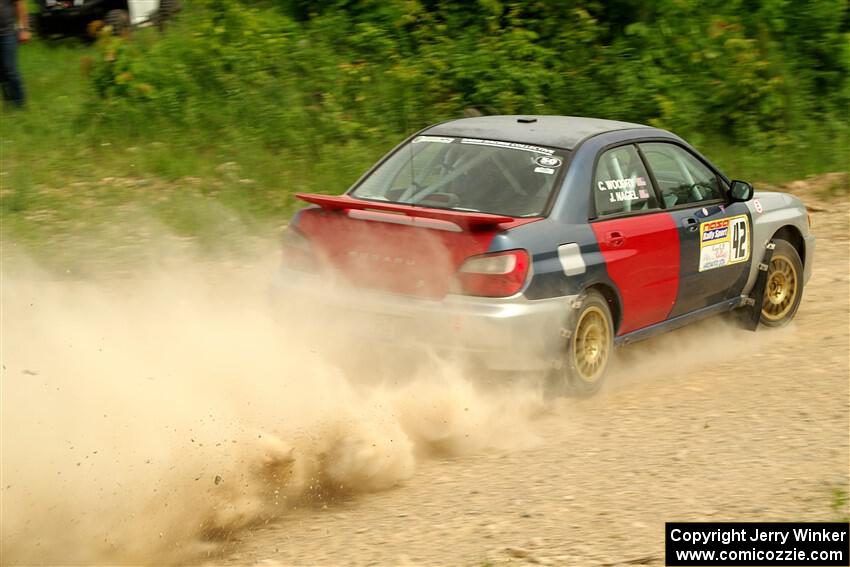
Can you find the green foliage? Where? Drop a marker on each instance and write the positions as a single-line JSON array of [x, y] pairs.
[[839, 504], [234, 109], [309, 74]]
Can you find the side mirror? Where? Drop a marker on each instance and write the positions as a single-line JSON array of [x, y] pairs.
[[740, 191]]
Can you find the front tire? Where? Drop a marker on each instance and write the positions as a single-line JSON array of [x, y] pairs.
[[588, 348], [784, 287]]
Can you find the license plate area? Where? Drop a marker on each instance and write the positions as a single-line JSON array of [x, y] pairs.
[[386, 327]]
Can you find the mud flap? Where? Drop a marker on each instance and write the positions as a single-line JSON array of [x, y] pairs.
[[556, 381], [759, 289]]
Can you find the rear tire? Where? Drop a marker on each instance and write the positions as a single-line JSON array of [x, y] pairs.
[[784, 286], [587, 350]]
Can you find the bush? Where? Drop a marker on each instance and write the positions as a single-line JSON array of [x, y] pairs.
[[302, 75]]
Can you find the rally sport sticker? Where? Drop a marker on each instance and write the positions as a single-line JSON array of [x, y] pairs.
[[723, 242]]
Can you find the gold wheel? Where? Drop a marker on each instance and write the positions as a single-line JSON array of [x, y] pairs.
[[592, 344], [780, 293]]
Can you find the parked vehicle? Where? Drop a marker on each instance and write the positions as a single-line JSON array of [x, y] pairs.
[[86, 17], [544, 241]]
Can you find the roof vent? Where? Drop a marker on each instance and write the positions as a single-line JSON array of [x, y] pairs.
[[526, 120]]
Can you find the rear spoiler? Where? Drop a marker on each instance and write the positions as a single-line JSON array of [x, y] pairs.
[[468, 220]]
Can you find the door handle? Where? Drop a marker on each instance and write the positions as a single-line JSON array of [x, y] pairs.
[[615, 238], [690, 223]]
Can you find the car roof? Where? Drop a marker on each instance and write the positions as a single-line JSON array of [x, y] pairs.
[[556, 131]]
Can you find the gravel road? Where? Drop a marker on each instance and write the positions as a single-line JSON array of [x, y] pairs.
[[709, 423]]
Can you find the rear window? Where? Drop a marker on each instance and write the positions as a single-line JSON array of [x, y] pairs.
[[467, 174]]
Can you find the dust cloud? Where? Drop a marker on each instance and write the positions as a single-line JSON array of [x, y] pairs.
[[678, 355], [147, 419]]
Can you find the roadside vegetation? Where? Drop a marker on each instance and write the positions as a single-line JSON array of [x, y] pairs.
[[215, 123], [840, 504]]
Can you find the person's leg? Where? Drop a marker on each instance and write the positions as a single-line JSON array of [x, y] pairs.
[[4, 81], [13, 88]]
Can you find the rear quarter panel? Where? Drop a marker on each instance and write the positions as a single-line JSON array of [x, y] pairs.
[[565, 257]]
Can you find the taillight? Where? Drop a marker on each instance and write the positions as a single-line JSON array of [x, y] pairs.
[[500, 274], [297, 252]]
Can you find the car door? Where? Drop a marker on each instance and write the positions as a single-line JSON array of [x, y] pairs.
[[638, 240], [715, 236]]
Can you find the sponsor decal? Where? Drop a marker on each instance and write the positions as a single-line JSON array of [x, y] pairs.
[[438, 139], [714, 231], [548, 161], [509, 145], [724, 242], [547, 170], [757, 206], [713, 256], [643, 194]]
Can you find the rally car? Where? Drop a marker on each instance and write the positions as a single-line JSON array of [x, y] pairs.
[[541, 242]]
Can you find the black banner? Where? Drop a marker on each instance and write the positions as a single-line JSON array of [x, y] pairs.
[[757, 543]]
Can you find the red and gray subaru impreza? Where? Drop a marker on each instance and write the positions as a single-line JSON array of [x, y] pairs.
[[541, 242]]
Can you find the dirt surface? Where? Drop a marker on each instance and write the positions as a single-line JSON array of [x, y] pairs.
[[218, 445], [710, 423]]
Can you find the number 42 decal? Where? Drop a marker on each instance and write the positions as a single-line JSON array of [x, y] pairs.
[[724, 242], [740, 240]]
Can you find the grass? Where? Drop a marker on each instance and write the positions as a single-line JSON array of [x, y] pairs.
[[839, 504], [61, 185], [809, 151], [67, 192]]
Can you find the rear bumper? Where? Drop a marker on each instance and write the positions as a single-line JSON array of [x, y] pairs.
[[512, 333]]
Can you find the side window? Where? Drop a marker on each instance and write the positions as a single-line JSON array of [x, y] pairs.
[[621, 183], [681, 177]]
